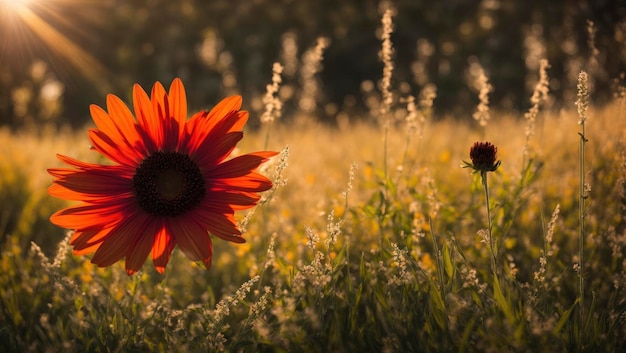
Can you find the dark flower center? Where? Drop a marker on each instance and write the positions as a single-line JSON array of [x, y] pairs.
[[167, 184], [483, 155]]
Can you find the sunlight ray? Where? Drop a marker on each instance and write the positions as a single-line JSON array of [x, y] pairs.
[[27, 29]]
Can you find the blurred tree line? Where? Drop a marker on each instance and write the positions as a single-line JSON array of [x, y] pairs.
[[50, 73]]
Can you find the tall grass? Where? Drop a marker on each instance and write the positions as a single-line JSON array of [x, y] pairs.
[[350, 254], [321, 278]]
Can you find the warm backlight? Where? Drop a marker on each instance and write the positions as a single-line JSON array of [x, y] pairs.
[[26, 27], [15, 4]]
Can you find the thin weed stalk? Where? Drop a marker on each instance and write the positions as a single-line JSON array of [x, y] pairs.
[[581, 230], [582, 103], [311, 65], [271, 101], [539, 97], [482, 110], [386, 53], [411, 129], [415, 123], [353, 167]]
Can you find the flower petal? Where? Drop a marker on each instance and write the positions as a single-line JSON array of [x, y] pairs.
[[120, 241], [223, 118], [104, 122], [110, 149], [88, 241], [125, 122], [114, 127], [168, 126], [87, 249], [178, 107], [222, 146], [150, 127], [143, 242], [119, 127], [193, 240], [178, 101], [241, 165], [162, 247], [225, 107], [228, 201], [208, 131], [123, 171], [63, 191], [192, 135], [249, 182], [89, 186], [96, 216], [223, 225]]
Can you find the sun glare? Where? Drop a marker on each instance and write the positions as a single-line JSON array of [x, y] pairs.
[[31, 27], [15, 5]]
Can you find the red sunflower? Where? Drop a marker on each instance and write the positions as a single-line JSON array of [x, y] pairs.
[[171, 182]]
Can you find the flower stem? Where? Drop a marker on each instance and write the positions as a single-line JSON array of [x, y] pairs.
[[483, 177]]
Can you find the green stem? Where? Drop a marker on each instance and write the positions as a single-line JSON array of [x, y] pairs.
[[483, 176]]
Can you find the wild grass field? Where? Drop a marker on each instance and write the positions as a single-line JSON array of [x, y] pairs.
[[373, 239]]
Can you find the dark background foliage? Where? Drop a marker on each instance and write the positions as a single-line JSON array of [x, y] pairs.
[[128, 41]]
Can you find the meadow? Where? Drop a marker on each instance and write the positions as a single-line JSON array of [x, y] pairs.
[[374, 238]]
